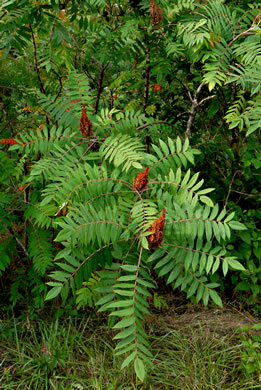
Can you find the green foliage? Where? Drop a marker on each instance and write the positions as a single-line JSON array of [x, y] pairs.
[[40, 250], [87, 295], [250, 355], [159, 302], [230, 53], [250, 249], [107, 220]]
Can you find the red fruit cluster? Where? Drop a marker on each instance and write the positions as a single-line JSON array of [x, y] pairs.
[[156, 229], [8, 141], [155, 14], [156, 88], [141, 181], [27, 109], [85, 124]]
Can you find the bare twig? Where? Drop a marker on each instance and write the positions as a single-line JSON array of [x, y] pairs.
[[194, 106], [3, 14], [205, 99], [35, 61], [22, 246], [10, 231], [61, 84], [86, 71], [137, 274], [229, 188], [244, 193], [182, 113], [100, 87]]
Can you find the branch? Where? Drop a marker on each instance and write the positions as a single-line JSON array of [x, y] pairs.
[[205, 99], [22, 246], [10, 230], [182, 113], [3, 14], [86, 71], [146, 83], [146, 95], [244, 193], [199, 89], [100, 87], [137, 274], [229, 188], [61, 84], [191, 117], [194, 106], [35, 61], [183, 85]]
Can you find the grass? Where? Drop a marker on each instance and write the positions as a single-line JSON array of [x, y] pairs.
[[78, 354], [200, 359]]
